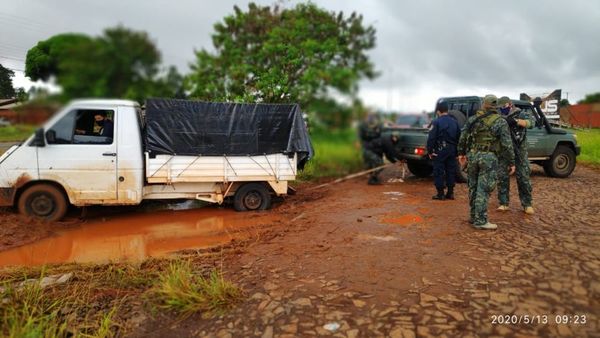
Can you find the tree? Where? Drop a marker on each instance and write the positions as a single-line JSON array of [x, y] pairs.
[[21, 94], [564, 103], [269, 54], [7, 91], [591, 98], [120, 63], [42, 61]]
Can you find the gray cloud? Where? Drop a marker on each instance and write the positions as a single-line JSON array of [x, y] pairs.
[[425, 48]]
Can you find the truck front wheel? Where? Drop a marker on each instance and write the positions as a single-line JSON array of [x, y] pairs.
[[252, 196], [43, 201], [420, 169], [561, 163]]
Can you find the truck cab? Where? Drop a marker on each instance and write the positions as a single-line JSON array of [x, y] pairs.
[[72, 157]]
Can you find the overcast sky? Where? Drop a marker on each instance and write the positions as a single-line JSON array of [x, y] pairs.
[[425, 49]]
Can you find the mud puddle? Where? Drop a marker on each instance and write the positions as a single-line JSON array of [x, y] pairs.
[[136, 236]]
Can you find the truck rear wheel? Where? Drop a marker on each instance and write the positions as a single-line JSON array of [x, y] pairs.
[[562, 162], [43, 201], [419, 169], [252, 196]]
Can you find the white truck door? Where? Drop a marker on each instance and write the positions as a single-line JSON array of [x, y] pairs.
[[81, 155]]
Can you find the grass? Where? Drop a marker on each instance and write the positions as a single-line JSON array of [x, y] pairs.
[[17, 132], [589, 140], [31, 311], [337, 153], [184, 292], [26, 312], [92, 303]]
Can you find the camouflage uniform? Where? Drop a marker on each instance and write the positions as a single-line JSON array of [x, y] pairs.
[[522, 165], [369, 131], [483, 143]]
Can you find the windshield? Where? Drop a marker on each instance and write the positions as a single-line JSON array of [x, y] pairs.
[[412, 120]]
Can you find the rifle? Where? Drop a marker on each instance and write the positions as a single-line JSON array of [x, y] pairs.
[[517, 133]]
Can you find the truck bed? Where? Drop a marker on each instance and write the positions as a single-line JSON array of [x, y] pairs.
[[168, 169]]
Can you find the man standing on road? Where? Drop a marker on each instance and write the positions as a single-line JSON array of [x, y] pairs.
[[369, 131], [441, 147], [518, 122], [484, 138]]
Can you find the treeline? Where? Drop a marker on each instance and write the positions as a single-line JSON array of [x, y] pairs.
[[304, 54]]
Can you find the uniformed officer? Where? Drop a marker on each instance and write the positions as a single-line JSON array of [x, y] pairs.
[[518, 122], [484, 138], [441, 147], [369, 130]]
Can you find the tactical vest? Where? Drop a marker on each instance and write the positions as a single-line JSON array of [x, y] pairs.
[[483, 139]]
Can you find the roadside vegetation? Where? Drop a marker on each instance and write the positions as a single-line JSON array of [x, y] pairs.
[[17, 132], [100, 300], [180, 289], [337, 153], [589, 140]]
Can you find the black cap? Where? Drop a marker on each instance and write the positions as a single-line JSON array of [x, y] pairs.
[[442, 107]]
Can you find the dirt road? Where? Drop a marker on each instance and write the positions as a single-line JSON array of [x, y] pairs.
[[389, 261], [354, 260]]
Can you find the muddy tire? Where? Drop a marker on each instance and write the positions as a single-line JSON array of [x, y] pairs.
[[252, 196], [562, 162], [419, 169], [43, 201]]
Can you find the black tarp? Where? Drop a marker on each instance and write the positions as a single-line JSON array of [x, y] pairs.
[[184, 127]]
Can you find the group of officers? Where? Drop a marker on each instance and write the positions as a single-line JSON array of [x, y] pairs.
[[491, 146]]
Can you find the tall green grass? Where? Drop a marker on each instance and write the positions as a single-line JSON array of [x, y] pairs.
[[589, 140], [17, 132], [181, 290], [337, 153], [26, 312]]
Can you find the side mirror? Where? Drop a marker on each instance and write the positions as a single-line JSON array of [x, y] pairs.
[[51, 136], [38, 138]]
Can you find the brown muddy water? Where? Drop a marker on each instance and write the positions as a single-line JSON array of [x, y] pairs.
[[137, 236]]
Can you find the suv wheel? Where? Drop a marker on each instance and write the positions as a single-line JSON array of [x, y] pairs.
[[561, 163]]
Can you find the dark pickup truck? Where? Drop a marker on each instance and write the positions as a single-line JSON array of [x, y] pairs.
[[554, 149]]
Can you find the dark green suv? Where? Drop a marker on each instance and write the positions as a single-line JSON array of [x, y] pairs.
[[552, 148]]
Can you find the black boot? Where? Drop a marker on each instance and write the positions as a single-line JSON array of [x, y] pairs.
[[450, 193], [439, 196]]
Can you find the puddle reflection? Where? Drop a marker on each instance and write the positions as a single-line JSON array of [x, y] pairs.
[[137, 236]]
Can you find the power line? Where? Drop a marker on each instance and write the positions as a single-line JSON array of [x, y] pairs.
[[11, 58], [21, 19], [11, 55]]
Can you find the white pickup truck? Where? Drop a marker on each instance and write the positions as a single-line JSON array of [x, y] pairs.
[[98, 152]]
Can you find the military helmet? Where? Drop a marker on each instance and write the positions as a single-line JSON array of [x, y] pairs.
[[490, 101], [503, 100]]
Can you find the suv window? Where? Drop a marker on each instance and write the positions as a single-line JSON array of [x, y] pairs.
[[467, 108], [531, 112], [83, 126]]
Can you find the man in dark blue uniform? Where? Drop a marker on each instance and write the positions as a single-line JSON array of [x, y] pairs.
[[441, 147]]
